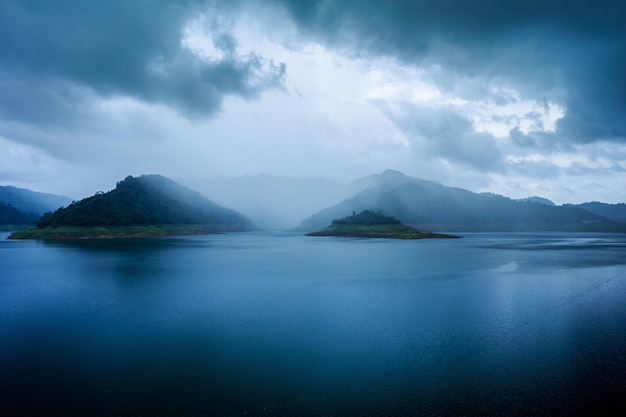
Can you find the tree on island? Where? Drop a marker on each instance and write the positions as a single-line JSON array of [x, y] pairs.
[[366, 217]]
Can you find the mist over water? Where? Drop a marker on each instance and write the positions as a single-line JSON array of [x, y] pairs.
[[283, 324], [272, 202]]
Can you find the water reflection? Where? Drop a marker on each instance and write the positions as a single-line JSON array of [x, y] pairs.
[[129, 245]]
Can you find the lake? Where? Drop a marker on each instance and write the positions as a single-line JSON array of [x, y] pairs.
[[275, 324]]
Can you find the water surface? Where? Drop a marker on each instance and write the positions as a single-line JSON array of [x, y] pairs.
[[269, 324]]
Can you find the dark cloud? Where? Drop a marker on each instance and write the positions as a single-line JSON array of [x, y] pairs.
[[572, 52], [40, 99], [117, 48]]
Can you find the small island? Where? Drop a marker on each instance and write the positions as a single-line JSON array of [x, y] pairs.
[[375, 225]]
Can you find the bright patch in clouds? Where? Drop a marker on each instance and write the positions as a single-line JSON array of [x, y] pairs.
[[526, 115], [202, 42], [344, 95]]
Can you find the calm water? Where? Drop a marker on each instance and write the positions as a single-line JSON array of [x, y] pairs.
[[266, 324]]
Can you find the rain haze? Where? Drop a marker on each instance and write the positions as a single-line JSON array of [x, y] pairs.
[[515, 98]]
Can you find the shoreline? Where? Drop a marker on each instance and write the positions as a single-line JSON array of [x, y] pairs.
[[394, 231], [121, 232]]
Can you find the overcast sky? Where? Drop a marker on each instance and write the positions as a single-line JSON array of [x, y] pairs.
[[518, 98]]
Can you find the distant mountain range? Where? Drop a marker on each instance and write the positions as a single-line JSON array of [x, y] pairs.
[[147, 200], [431, 206], [279, 203], [19, 206], [615, 212], [28, 201]]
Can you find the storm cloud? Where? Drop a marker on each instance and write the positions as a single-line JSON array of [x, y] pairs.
[[117, 48], [573, 52]]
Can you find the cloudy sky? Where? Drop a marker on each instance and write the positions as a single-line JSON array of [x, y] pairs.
[[518, 98]]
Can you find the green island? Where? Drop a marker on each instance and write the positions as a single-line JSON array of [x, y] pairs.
[[375, 225], [145, 206]]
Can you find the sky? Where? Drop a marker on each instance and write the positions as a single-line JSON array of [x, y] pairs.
[[516, 98]]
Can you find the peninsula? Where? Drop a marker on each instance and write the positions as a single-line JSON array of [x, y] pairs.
[[145, 206], [375, 225]]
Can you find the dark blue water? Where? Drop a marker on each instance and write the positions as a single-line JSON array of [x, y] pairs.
[[266, 324]]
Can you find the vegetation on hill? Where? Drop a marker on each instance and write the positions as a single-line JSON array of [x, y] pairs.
[[374, 225], [366, 218], [149, 200]]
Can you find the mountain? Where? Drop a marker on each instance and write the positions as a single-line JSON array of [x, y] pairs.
[[615, 212], [432, 206], [9, 215], [31, 201], [147, 200], [389, 178], [272, 202]]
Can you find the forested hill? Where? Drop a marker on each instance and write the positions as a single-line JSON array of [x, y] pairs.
[[146, 200], [432, 206]]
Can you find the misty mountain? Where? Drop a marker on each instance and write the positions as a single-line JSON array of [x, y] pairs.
[[29, 201], [273, 202], [539, 200], [432, 206], [146, 200], [615, 212], [388, 178], [9, 215]]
